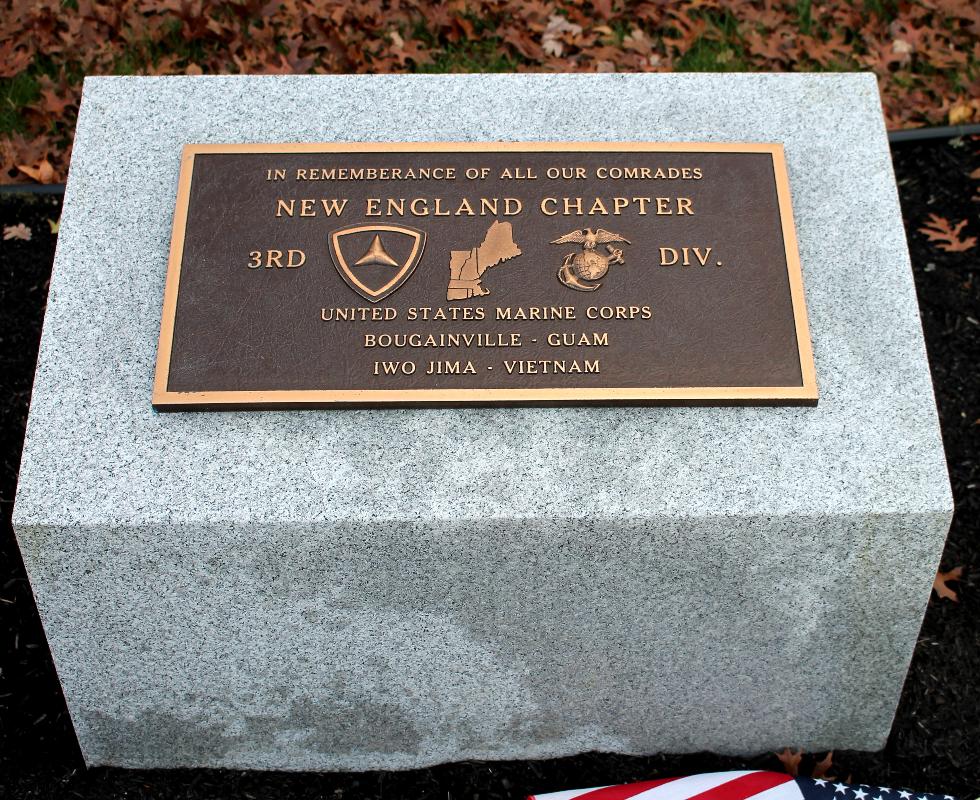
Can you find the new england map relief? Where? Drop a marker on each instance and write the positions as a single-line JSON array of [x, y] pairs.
[[466, 267]]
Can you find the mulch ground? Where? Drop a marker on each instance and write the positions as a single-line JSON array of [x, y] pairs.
[[935, 741]]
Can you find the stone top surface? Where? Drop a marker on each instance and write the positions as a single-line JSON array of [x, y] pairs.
[[98, 454]]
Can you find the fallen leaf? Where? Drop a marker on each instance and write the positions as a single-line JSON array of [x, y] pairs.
[[790, 760], [942, 578], [603, 8], [637, 40], [18, 231], [961, 113], [557, 27], [42, 171], [13, 60], [821, 767], [55, 225], [55, 104], [901, 47], [946, 236]]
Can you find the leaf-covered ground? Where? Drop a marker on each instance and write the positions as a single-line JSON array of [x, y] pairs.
[[926, 53], [933, 746]]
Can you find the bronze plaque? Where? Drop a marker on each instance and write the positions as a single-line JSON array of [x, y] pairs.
[[319, 275]]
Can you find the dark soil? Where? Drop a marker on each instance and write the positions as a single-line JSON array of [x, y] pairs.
[[935, 742]]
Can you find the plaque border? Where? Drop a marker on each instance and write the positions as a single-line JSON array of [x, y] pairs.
[[805, 394]]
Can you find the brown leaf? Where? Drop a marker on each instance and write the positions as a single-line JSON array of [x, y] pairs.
[[13, 60], [55, 104], [821, 767], [942, 578], [766, 47], [946, 236], [961, 113], [603, 8], [790, 760], [637, 41], [42, 171], [522, 42], [558, 31], [18, 231]]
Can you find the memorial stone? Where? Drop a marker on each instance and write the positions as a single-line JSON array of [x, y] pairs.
[[339, 588]]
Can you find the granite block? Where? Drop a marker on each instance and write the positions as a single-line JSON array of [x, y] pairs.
[[393, 588]]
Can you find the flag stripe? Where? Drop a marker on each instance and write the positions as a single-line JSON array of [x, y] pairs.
[[736, 785], [623, 791], [690, 786], [791, 790], [744, 787], [565, 794], [684, 788]]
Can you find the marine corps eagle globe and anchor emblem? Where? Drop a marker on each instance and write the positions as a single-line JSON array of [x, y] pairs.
[[582, 271]]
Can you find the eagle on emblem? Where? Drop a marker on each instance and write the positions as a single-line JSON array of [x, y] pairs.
[[581, 271]]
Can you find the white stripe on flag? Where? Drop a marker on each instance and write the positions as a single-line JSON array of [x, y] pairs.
[[567, 794], [785, 791], [678, 789], [683, 788]]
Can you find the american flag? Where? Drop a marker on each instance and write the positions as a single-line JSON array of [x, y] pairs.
[[743, 785]]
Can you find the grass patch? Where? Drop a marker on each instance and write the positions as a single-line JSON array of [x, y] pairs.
[[484, 52], [15, 94], [483, 55], [804, 12], [719, 50], [708, 55]]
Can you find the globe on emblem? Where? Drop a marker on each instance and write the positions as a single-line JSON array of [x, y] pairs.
[[589, 265]]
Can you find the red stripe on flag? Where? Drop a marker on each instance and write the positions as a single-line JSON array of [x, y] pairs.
[[623, 791], [744, 787]]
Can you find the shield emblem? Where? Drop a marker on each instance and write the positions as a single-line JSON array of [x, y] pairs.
[[376, 260]]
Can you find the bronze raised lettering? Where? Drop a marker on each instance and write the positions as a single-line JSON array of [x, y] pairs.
[[501, 273]]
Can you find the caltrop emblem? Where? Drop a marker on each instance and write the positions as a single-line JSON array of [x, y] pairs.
[[376, 260], [582, 271]]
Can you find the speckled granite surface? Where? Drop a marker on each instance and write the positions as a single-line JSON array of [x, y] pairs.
[[360, 589]]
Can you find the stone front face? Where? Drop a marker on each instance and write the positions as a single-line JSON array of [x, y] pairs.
[[387, 589]]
